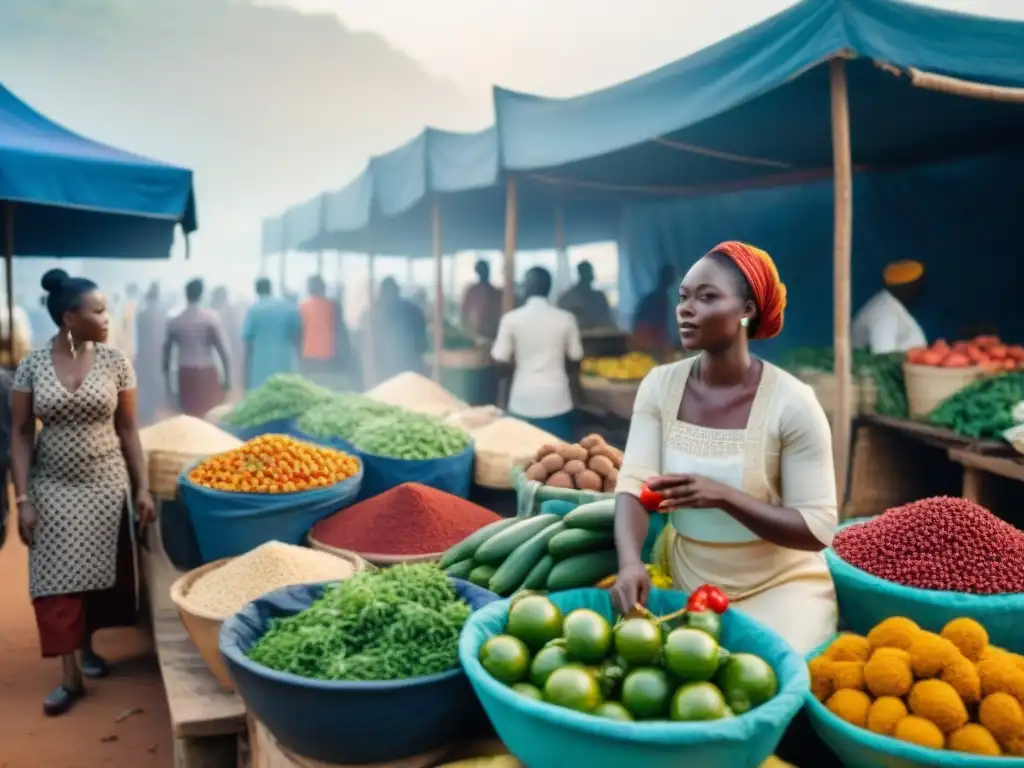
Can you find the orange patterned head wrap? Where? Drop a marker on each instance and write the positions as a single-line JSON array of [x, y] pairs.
[[768, 289]]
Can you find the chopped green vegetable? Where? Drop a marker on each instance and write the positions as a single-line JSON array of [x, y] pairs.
[[394, 624], [982, 410], [282, 396], [342, 415], [409, 436], [885, 370]]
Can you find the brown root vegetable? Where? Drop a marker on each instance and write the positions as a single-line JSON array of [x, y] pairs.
[[589, 480], [574, 467], [543, 451], [612, 454], [536, 472], [552, 462], [575, 452], [592, 441], [609, 484], [560, 480], [601, 464], [613, 476]]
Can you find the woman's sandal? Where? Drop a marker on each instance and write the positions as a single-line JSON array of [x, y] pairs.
[[61, 700], [94, 666]]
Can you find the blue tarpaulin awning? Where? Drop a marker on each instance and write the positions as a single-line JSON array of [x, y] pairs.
[[74, 197]]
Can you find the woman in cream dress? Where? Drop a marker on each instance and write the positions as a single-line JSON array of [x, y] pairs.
[[742, 452]]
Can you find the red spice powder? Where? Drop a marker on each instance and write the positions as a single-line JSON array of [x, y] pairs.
[[411, 519]]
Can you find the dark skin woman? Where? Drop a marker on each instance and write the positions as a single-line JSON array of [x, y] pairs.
[[72, 481], [716, 315]]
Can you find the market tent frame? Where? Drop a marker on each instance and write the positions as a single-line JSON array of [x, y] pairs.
[[63, 195], [919, 86]]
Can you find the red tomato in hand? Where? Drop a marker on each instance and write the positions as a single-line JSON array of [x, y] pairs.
[[717, 600], [708, 597], [697, 603], [650, 500]]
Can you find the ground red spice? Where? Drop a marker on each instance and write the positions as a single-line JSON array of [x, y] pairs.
[[411, 519], [942, 543]]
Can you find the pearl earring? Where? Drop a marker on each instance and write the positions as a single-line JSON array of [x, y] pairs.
[[744, 321]]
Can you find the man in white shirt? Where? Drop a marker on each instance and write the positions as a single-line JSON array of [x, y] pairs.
[[542, 346], [884, 324]]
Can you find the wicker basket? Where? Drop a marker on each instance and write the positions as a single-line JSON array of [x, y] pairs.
[[865, 391], [502, 446], [371, 561], [164, 469], [927, 386], [203, 628], [359, 564]]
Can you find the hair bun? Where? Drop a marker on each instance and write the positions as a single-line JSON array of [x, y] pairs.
[[54, 279]]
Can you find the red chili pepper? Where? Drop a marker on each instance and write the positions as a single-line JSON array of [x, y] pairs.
[[650, 500], [698, 602]]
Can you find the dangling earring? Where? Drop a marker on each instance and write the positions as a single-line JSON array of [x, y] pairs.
[[744, 321], [71, 345]]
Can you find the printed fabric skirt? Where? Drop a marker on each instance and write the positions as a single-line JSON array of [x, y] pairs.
[[65, 622], [199, 391]]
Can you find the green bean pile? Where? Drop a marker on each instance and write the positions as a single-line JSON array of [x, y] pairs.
[[395, 624], [885, 370], [282, 396], [342, 415], [982, 410], [409, 436]]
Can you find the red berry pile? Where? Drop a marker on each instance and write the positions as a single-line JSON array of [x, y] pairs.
[[942, 543]]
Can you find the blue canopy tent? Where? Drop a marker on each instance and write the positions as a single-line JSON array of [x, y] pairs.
[[773, 106], [66, 196]]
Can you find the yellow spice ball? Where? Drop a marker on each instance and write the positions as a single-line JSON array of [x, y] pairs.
[[820, 670], [1004, 717], [929, 654], [849, 647], [884, 713], [973, 739], [895, 632], [1000, 675], [967, 635], [888, 673], [937, 701], [851, 706], [964, 678], [848, 675], [917, 730]]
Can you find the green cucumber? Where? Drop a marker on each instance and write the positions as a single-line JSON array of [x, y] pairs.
[[466, 548], [500, 546], [461, 569], [583, 570], [576, 541], [595, 516], [481, 575], [517, 566], [537, 578]]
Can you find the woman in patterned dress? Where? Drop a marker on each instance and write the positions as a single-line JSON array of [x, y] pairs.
[[73, 484]]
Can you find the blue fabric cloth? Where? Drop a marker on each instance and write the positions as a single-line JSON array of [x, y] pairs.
[[272, 328], [563, 426], [79, 198]]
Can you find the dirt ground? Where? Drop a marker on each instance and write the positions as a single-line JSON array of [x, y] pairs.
[[122, 721]]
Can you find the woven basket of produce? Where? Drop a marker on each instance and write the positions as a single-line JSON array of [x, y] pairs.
[[585, 719], [577, 472], [418, 394], [865, 391], [928, 386], [214, 592], [173, 444], [502, 446], [932, 561]]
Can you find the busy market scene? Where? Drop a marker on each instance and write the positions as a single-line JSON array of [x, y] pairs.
[[433, 489]]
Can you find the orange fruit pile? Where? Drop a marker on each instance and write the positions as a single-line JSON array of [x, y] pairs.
[[274, 464]]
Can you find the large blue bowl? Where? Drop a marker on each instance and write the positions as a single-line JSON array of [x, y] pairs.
[[545, 736], [860, 748], [866, 600], [347, 723]]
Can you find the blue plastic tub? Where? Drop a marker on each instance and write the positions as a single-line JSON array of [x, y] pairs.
[[541, 735], [231, 524], [452, 474], [336, 443], [865, 600], [860, 748], [276, 427], [347, 723]]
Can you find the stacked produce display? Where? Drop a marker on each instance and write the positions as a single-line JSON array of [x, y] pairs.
[[589, 465], [632, 366], [986, 352], [983, 410], [885, 372], [545, 552], [640, 668], [282, 397], [949, 690]]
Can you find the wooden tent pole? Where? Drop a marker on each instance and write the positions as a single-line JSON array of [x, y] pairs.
[[562, 278], [436, 238], [508, 295], [842, 420], [9, 277]]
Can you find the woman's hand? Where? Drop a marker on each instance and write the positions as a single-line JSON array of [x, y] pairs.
[[28, 521], [690, 492], [145, 508], [632, 586]]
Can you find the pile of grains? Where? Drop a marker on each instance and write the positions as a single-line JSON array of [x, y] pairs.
[[418, 394], [941, 543], [411, 519], [223, 591], [187, 435]]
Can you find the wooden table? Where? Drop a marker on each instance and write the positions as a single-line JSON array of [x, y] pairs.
[[977, 468], [603, 396], [206, 720]]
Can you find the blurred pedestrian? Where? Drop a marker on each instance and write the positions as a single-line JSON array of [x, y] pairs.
[[272, 334], [197, 335]]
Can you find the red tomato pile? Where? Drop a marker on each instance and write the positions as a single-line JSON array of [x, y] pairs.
[[986, 352]]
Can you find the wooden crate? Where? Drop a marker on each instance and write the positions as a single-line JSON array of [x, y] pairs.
[[208, 723]]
